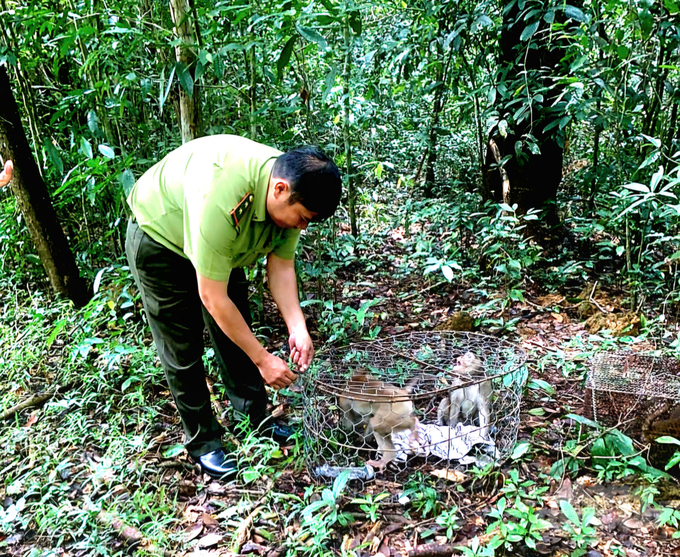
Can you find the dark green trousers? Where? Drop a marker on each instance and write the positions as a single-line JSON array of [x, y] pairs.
[[169, 289]]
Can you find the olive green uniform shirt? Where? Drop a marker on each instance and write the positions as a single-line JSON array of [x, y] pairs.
[[207, 201]]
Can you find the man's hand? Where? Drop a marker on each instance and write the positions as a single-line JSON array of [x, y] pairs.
[[301, 347], [275, 372], [6, 174]]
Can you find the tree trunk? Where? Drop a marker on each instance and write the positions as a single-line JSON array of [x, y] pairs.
[[438, 105], [35, 204], [252, 99], [432, 138], [351, 189], [190, 107], [533, 178]]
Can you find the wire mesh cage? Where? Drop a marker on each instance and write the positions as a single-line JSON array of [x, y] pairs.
[[424, 401], [632, 391]]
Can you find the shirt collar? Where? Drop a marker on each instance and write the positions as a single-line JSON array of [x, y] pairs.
[[261, 190]]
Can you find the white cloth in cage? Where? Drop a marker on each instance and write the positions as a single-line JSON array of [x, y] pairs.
[[448, 443]]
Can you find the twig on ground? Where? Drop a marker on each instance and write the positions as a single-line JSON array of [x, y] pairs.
[[243, 530], [423, 291], [35, 400], [177, 464], [130, 535], [432, 550]]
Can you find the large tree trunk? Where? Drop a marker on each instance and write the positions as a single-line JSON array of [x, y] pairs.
[[532, 180], [35, 204], [189, 101]]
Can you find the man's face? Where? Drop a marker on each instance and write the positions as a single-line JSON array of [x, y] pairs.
[[283, 213]]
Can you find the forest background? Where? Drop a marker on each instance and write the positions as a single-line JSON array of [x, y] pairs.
[[510, 159]]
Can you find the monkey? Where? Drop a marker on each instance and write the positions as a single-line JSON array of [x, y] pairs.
[[467, 403], [378, 418]]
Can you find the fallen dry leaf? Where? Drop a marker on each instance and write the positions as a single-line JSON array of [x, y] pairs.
[[565, 491], [609, 517], [450, 475], [210, 540], [586, 481], [32, 419], [193, 532], [209, 521], [633, 523]]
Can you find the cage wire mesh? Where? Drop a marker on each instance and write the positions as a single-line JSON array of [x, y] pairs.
[[424, 401], [632, 391]]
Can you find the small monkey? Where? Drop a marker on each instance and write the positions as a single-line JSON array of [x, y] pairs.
[[467, 403], [378, 418]]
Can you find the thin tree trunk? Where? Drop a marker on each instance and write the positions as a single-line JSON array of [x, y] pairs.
[[252, 92], [190, 107], [10, 41], [35, 204], [596, 161], [351, 187], [93, 76], [438, 107]]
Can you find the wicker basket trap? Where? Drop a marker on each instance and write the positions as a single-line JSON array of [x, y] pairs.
[[429, 401], [632, 391]]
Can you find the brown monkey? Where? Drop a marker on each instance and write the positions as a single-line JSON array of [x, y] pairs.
[[380, 418]]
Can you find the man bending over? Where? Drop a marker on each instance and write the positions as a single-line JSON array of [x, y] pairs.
[[208, 209]]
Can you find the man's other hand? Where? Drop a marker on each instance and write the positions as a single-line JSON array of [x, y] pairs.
[[275, 372], [6, 174], [301, 347]]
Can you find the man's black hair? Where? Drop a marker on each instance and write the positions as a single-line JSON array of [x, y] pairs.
[[314, 179]]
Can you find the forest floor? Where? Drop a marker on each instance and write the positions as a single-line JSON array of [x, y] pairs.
[[261, 516]]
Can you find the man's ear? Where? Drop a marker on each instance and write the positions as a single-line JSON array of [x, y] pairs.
[[281, 186]]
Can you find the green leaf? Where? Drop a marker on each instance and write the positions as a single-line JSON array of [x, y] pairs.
[[107, 151], [55, 331], [284, 58], [330, 82], [86, 147], [448, 272], [340, 483], [164, 95], [673, 461], [634, 186], [92, 121], [55, 159], [312, 36], [127, 383], [185, 79], [575, 13], [667, 440], [583, 420], [529, 31], [671, 6], [520, 450], [127, 180], [98, 279], [569, 512], [173, 450], [622, 52]]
